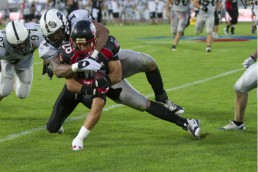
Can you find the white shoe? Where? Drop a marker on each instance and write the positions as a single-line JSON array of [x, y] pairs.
[[226, 31], [77, 144], [208, 49], [233, 126], [215, 35], [194, 127]]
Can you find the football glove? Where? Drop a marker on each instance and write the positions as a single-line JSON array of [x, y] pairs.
[[47, 69], [248, 62], [101, 86], [204, 8], [86, 90], [86, 64]]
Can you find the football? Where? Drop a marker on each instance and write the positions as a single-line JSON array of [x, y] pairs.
[[99, 75]]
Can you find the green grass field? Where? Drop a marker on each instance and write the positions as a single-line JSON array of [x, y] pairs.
[[126, 140]]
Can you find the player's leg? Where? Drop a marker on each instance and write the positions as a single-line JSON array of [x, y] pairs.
[[6, 79], [64, 106], [23, 81], [209, 24], [182, 21], [244, 84], [134, 62], [124, 93]]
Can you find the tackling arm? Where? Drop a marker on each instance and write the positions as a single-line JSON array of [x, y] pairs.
[[102, 35]]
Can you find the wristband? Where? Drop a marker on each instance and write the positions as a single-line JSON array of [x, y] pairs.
[[75, 67], [95, 53], [253, 58]]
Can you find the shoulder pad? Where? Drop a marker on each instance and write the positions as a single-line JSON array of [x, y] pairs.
[[78, 15], [47, 51]]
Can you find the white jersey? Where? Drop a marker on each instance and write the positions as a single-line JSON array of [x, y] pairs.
[[21, 61], [210, 4], [47, 51], [181, 5]]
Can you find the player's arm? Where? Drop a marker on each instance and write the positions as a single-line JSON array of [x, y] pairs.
[[196, 4], [115, 71], [102, 35], [59, 69], [168, 3]]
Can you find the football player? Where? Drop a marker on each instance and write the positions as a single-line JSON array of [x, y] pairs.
[[179, 16], [205, 18], [132, 62], [81, 45], [246, 83], [18, 42], [232, 9]]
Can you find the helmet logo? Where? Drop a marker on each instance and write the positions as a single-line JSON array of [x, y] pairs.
[[52, 24]]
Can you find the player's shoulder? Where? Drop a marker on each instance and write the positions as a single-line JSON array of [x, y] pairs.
[[47, 51], [111, 48]]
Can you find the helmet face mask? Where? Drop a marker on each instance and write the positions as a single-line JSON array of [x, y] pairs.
[[83, 37], [54, 26], [18, 37]]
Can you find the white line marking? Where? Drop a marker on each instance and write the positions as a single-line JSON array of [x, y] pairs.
[[13, 136]]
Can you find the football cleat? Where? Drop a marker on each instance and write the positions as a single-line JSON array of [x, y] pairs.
[[233, 126], [193, 127], [225, 31], [176, 109], [208, 49], [215, 35], [173, 48], [77, 144]]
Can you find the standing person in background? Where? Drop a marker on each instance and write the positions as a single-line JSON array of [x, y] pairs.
[[152, 6], [141, 7], [232, 9], [116, 12], [246, 83], [217, 19], [160, 8], [96, 10], [179, 16], [57, 4], [71, 5], [205, 18]]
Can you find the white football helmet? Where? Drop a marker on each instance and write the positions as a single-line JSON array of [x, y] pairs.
[[17, 36], [54, 26]]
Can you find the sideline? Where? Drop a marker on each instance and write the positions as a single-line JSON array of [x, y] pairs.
[[26, 132]]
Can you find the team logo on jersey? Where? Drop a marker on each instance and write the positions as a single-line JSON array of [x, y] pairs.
[[52, 24]]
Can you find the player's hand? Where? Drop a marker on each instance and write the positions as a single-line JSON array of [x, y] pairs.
[[47, 69], [204, 8], [248, 62], [86, 64], [101, 86]]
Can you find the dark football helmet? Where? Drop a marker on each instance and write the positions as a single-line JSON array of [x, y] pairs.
[[83, 37]]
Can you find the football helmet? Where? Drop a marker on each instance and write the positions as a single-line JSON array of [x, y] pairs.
[[55, 27], [18, 36], [83, 37]]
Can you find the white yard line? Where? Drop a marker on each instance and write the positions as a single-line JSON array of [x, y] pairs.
[[13, 136]]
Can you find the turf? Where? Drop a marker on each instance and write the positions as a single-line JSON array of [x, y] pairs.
[[126, 140]]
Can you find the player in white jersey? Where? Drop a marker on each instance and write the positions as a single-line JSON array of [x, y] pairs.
[[17, 44], [246, 83], [254, 16], [206, 18], [179, 15]]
